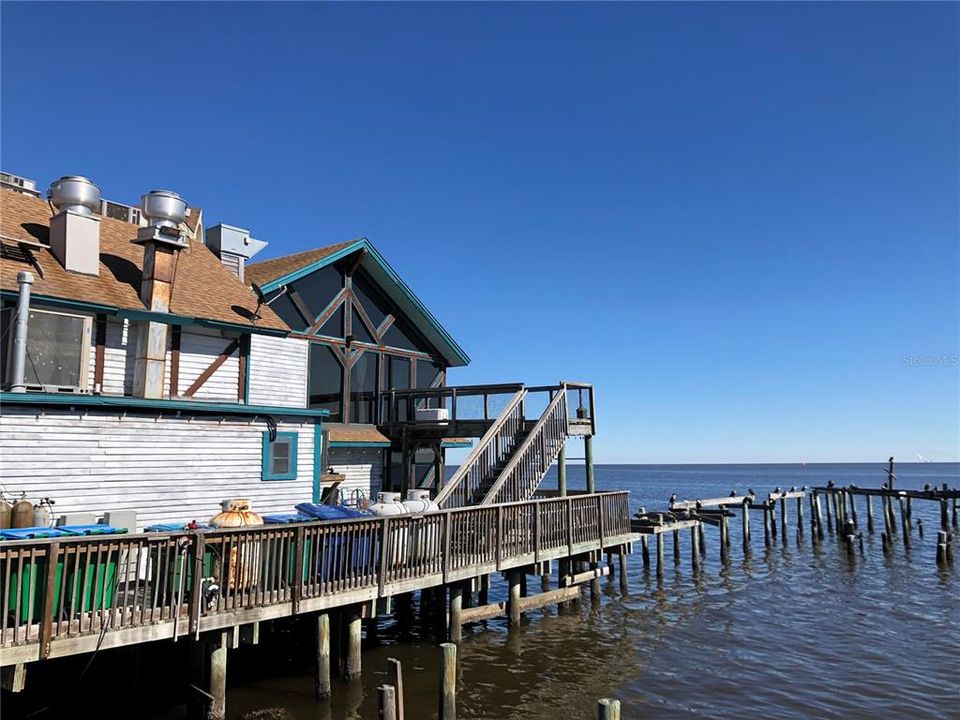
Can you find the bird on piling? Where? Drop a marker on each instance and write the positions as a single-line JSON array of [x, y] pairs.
[[751, 492], [926, 487], [829, 483], [733, 493], [673, 498], [793, 488]]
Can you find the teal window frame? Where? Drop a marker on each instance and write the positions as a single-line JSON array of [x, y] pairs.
[[267, 457]]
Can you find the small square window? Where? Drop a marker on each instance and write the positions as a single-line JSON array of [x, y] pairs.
[[279, 460]]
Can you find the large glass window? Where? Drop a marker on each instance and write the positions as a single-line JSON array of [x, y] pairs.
[[283, 306], [360, 331], [373, 302], [58, 349], [398, 377], [334, 326], [318, 288], [363, 388], [427, 372], [402, 335], [326, 381]]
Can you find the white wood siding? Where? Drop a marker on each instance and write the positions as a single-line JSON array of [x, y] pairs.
[[363, 468], [197, 351], [168, 469], [278, 371], [119, 356]]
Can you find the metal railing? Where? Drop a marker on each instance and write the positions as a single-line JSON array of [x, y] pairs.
[[71, 595], [464, 403]]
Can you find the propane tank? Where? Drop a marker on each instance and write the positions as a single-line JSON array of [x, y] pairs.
[[235, 512], [418, 501], [5, 510], [388, 503], [43, 513], [22, 514]]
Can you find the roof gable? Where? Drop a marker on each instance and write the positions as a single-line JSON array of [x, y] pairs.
[[203, 288], [272, 274]]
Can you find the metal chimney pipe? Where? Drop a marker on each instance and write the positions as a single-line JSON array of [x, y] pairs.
[[19, 360]]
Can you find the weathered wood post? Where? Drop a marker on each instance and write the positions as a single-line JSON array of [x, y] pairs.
[[622, 562], [783, 519], [910, 513], [321, 678], [483, 594], [849, 535], [694, 548], [448, 681], [920, 527], [869, 513], [351, 668], [885, 542], [645, 551], [766, 524], [818, 515], [562, 470], [514, 598], [724, 553], [745, 525], [676, 547], [608, 709], [942, 547], [829, 504], [659, 555], [943, 514], [903, 522], [891, 477], [217, 709], [799, 516], [892, 530], [588, 462], [395, 674], [884, 500], [956, 515], [703, 539], [387, 701], [853, 508], [456, 607]]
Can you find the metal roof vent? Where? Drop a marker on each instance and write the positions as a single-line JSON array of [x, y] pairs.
[[75, 193], [164, 211], [164, 208]]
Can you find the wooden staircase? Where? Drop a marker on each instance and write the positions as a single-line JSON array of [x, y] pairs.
[[511, 459]]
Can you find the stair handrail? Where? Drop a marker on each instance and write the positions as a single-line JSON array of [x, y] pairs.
[[559, 401], [489, 437]]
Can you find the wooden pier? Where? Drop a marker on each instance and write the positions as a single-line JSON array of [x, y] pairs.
[[78, 595]]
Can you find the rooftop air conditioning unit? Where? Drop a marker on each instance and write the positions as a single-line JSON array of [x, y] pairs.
[[435, 415], [119, 211]]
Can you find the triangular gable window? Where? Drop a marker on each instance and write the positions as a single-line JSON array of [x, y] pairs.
[[334, 326]]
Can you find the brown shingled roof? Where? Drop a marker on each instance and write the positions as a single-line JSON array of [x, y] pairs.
[[203, 287], [347, 434], [267, 270]]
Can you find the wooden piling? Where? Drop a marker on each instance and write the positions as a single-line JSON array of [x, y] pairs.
[[829, 505], [943, 514], [676, 547], [745, 525], [595, 584], [853, 509], [956, 514], [483, 594], [885, 542], [645, 551], [869, 513], [903, 522], [562, 470], [395, 674], [514, 598], [352, 623], [703, 540], [724, 553], [218, 677], [920, 527], [783, 519], [909, 513], [659, 555], [387, 700], [448, 681], [818, 515], [892, 530], [942, 547], [608, 709], [622, 561], [799, 516], [321, 677], [766, 525], [456, 607], [694, 548]]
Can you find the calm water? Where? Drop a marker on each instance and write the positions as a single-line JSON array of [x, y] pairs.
[[793, 632]]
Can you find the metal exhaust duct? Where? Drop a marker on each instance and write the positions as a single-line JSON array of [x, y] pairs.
[[19, 360]]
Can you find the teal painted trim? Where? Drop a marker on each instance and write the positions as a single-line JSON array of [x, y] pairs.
[[307, 269], [446, 444], [267, 457], [167, 318], [358, 443], [64, 303], [317, 459], [457, 351], [171, 406]]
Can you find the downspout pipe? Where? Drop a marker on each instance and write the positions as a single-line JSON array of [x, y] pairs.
[[19, 360]]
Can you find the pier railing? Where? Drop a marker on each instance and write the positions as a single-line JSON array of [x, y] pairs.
[[71, 595]]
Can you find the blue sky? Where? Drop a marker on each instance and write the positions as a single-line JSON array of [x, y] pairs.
[[739, 221]]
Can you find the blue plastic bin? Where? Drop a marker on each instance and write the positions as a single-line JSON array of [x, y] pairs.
[[31, 533], [91, 530]]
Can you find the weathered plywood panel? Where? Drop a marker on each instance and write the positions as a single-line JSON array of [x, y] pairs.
[[168, 469], [363, 469], [278, 371]]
